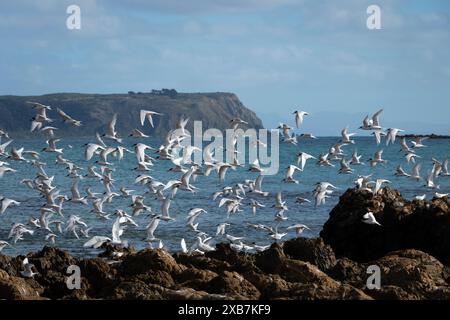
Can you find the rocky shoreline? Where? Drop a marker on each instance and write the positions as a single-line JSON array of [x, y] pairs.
[[411, 250]]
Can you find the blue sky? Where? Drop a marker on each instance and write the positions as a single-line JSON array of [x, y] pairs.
[[276, 55]]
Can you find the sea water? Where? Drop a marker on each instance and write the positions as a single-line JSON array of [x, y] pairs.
[[172, 232]]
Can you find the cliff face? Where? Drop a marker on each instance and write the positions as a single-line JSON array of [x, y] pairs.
[[94, 110]]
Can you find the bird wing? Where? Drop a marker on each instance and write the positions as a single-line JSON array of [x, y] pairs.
[[258, 182], [74, 189], [183, 246], [94, 240], [100, 140], [376, 118], [143, 114], [111, 126], [278, 198], [64, 115], [222, 171]]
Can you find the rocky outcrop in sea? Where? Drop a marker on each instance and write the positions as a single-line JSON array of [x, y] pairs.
[[410, 255]]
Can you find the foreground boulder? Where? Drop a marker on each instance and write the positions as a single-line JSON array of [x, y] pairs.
[[405, 274], [313, 250], [421, 225], [298, 279], [273, 274], [15, 288]]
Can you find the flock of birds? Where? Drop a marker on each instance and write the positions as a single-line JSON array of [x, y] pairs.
[[234, 198]]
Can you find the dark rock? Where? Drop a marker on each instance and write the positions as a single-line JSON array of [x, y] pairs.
[[99, 275], [240, 262], [10, 265], [411, 274], [52, 264], [15, 288], [302, 272], [326, 291], [191, 294], [313, 285], [202, 262], [270, 260], [136, 290], [271, 286], [349, 271], [54, 259], [149, 259], [303, 279], [235, 284], [159, 277], [312, 250], [196, 274], [422, 225], [196, 278]]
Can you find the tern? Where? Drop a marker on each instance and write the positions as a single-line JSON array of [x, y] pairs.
[[372, 124], [151, 227], [391, 134], [68, 119], [416, 172], [324, 161], [440, 195], [255, 205], [418, 142], [111, 132], [3, 244], [203, 246], [235, 122], [369, 218], [221, 227], [444, 172], [404, 146], [233, 239], [301, 200], [183, 246], [346, 136], [279, 203], [299, 116], [96, 242], [411, 157], [345, 167], [6, 202], [288, 177], [148, 115], [4, 170], [378, 185], [51, 237], [258, 187], [377, 158], [299, 228], [307, 136], [356, 159], [136, 133], [27, 271], [277, 235], [400, 172], [302, 157], [378, 134]]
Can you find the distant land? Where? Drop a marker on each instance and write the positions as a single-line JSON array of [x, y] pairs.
[[96, 110], [431, 136]]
